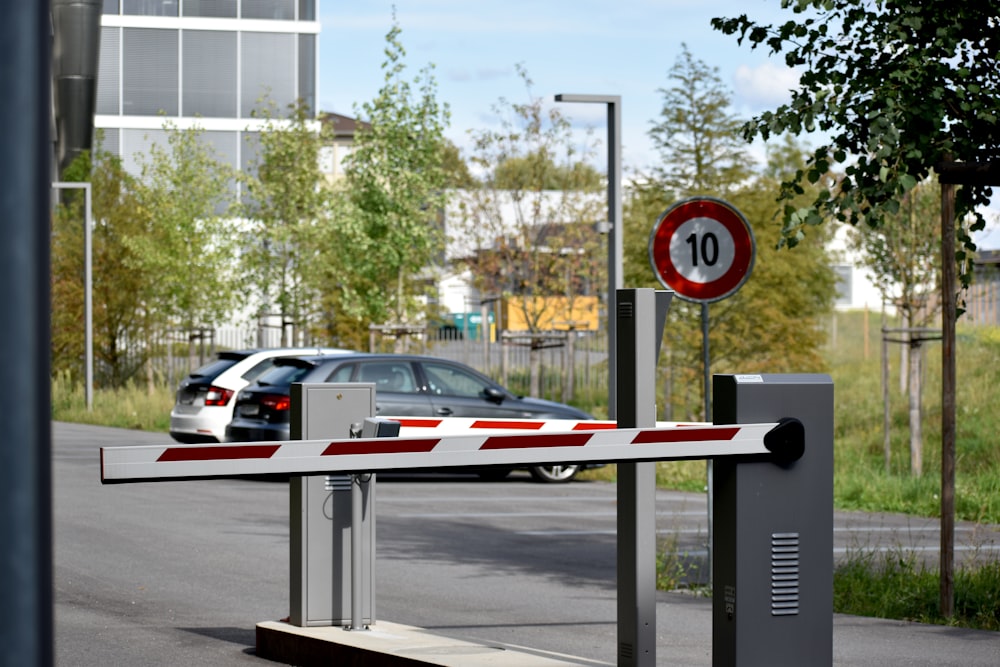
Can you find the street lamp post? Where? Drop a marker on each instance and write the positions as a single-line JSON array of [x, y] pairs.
[[636, 486], [88, 306], [615, 231]]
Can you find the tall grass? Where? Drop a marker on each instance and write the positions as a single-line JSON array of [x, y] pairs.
[[897, 585], [131, 407], [861, 480]]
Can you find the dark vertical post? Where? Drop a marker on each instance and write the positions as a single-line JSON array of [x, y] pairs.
[[949, 308], [640, 314], [772, 596], [25, 472]]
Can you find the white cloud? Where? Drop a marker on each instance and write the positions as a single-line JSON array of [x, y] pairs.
[[764, 85]]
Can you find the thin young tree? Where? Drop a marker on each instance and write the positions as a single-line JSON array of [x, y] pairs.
[[286, 213], [394, 184], [528, 233]]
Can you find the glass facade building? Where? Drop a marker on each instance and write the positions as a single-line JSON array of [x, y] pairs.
[[209, 63]]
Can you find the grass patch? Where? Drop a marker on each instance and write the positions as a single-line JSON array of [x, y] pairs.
[[896, 585], [130, 407]]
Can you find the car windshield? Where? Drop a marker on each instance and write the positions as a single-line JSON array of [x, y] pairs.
[[283, 375], [213, 369]]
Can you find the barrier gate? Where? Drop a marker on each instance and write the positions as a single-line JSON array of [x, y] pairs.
[[772, 445]]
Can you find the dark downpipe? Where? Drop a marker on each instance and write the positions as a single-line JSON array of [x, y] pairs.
[[25, 447], [76, 32]]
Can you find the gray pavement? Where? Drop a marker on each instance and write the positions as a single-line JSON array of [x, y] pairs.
[[182, 572]]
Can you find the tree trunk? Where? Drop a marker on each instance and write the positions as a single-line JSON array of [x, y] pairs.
[[916, 435], [535, 372], [570, 378]]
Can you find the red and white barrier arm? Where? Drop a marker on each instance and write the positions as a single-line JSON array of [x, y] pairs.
[[155, 462]]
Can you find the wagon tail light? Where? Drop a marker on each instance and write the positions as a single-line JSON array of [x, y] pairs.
[[218, 396], [276, 402]]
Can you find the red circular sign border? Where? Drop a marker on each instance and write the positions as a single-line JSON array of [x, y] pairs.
[[724, 214]]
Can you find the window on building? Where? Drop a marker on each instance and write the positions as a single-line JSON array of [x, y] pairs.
[[307, 70], [107, 139], [209, 87], [307, 10], [149, 7], [110, 6], [268, 70], [149, 59], [108, 100], [210, 8], [135, 147], [281, 10]]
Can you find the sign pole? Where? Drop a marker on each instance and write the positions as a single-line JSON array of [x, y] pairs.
[[703, 249], [709, 473]]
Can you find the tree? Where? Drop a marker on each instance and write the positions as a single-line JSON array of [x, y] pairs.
[[528, 233], [188, 242], [395, 180], [456, 169], [901, 87], [904, 257], [697, 136], [287, 214], [754, 330], [121, 283], [904, 88]]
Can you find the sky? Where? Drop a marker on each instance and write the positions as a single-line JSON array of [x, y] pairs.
[[620, 47], [625, 48]]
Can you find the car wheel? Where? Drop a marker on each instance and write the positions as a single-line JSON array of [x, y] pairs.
[[493, 474], [554, 474]]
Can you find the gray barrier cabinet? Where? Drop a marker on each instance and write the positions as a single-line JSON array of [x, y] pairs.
[[773, 529], [320, 507]]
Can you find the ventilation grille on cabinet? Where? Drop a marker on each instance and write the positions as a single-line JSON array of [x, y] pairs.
[[784, 574]]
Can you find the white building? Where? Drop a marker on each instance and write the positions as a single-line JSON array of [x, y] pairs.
[[201, 62]]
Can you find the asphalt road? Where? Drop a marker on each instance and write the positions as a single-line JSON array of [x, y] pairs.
[[178, 573]]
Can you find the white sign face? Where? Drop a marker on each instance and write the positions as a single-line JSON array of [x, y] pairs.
[[702, 250]]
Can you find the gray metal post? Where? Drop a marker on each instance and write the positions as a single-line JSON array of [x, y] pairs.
[[640, 314], [616, 233], [323, 549], [88, 285], [25, 469], [773, 556]]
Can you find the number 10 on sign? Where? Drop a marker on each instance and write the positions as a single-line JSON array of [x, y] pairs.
[[703, 249]]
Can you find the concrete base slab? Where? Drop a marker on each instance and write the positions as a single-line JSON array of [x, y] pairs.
[[392, 645]]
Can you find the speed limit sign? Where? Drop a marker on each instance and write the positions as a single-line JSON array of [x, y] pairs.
[[703, 249]]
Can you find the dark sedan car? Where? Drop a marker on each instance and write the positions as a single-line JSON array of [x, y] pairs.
[[405, 386]]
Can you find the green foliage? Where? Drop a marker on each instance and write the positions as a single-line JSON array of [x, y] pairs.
[[287, 215], [539, 171], [187, 192], [897, 585], [528, 231], [900, 87], [860, 481], [456, 169], [772, 322], [904, 255], [123, 285], [395, 187], [697, 136], [161, 255]]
